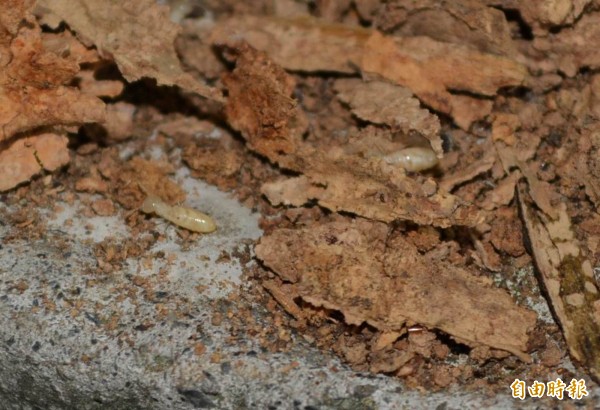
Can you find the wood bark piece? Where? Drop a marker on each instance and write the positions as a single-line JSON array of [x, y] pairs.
[[137, 34], [260, 104], [568, 278], [34, 73], [28, 156], [544, 14], [464, 22], [430, 69], [32, 90], [471, 171], [354, 266], [385, 103], [272, 124], [374, 190]]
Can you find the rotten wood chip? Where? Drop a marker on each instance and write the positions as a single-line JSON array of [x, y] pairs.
[[471, 171], [384, 103], [272, 123], [374, 190], [542, 15], [358, 268], [260, 105], [32, 90], [138, 34], [28, 156], [34, 72], [568, 278], [430, 69], [502, 194], [466, 22]]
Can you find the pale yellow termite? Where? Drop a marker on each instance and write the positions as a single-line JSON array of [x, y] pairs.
[[412, 159], [182, 216]]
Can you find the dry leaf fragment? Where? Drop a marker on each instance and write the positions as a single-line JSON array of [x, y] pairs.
[[356, 267], [138, 34]]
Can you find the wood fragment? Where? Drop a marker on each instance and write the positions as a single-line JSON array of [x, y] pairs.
[[313, 45], [354, 267], [385, 103], [567, 276], [29, 156], [138, 34]]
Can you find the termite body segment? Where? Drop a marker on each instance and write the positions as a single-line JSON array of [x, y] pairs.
[[412, 159], [184, 217]]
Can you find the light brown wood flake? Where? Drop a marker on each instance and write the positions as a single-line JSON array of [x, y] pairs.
[[354, 267], [568, 278], [313, 45]]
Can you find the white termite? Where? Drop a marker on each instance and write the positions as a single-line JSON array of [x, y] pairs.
[[412, 159], [182, 216]]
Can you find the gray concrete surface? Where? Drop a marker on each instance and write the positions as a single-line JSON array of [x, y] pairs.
[[56, 352]]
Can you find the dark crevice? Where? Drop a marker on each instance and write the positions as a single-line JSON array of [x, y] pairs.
[[514, 16]]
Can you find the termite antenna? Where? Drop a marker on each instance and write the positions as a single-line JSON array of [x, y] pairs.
[[144, 189]]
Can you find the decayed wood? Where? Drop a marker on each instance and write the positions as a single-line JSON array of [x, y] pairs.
[[567, 276]]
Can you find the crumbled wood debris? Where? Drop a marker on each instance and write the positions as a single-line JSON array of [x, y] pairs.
[[27, 156], [389, 268], [384, 103], [377, 277], [313, 45], [138, 35], [341, 180], [260, 104], [38, 105], [569, 280]]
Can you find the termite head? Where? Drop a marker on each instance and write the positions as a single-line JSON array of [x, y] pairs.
[[150, 203]]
